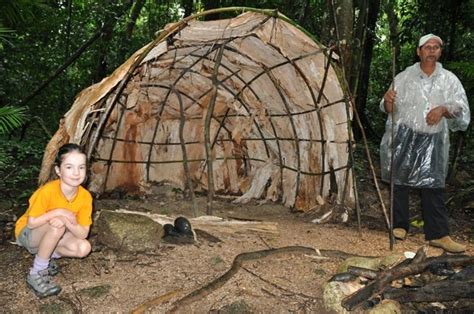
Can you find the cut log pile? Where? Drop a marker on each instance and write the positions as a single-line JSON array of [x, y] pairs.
[[442, 278]]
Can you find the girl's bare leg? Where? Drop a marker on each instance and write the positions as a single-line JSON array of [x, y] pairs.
[[46, 238], [71, 246]]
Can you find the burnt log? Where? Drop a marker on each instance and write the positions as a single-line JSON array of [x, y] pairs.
[[363, 272], [379, 285], [440, 291]]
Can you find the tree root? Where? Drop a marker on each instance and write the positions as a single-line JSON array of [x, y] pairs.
[[236, 265]]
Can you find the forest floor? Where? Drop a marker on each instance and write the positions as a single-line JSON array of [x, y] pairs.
[[110, 281]]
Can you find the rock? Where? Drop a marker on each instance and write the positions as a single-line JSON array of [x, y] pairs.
[[335, 292], [96, 291], [391, 260], [386, 307], [128, 232], [364, 262], [56, 308], [236, 308], [374, 263]]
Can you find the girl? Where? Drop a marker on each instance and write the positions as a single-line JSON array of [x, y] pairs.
[[57, 221]]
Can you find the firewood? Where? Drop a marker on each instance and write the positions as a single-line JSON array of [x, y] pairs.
[[444, 290], [364, 272], [384, 279]]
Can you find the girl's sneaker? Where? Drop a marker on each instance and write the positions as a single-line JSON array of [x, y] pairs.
[[53, 268], [42, 285]]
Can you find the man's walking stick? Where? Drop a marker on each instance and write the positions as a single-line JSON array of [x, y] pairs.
[[392, 152]]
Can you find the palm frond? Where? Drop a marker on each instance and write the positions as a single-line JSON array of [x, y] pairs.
[[11, 118]]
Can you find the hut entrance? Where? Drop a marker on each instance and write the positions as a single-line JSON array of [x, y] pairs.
[[249, 106]]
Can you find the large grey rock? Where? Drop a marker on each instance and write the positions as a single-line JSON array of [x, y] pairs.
[[128, 232]]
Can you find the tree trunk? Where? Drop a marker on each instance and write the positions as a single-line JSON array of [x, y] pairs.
[[362, 71], [393, 27], [341, 19], [132, 20], [360, 33], [454, 17], [107, 33], [67, 47]]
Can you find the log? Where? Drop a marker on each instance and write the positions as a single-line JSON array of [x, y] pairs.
[[379, 285], [364, 272], [440, 291], [212, 224]]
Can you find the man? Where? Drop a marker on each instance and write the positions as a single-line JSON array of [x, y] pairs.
[[426, 101]]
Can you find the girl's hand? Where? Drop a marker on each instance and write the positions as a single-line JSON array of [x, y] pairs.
[[56, 222], [70, 216]]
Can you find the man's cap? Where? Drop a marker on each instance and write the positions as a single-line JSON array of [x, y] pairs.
[[427, 37]]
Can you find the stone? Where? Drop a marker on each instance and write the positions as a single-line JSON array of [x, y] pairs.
[[386, 307], [374, 263], [128, 232], [236, 308], [96, 291]]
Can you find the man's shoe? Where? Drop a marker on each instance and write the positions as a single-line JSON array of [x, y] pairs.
[[42, 285], [53, 268], [447, 244], [399, 233]]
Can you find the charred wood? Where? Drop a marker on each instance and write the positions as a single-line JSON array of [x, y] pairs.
[[382, 283], [364, 272], [440, 291]]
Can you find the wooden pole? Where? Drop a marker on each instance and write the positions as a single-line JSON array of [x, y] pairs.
[[187, 173], [207, 132]]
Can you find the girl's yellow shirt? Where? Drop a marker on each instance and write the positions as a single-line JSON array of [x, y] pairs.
[[49, 197]]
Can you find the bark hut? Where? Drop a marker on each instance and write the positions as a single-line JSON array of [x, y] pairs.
[[279, 121]]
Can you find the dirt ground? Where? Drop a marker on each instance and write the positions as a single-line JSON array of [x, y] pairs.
[[109, 281]]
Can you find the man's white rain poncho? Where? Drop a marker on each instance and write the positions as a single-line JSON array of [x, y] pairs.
[[421, 151]]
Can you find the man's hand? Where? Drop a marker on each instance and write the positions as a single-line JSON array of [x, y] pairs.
[[389, 99], [436, 114]]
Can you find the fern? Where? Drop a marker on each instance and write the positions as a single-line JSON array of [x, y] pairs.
[[11, 118]]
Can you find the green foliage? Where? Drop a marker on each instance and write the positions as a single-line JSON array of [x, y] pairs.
[[19, 166], [11, 118], [4, 34], [464, 69], [15, 12]]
